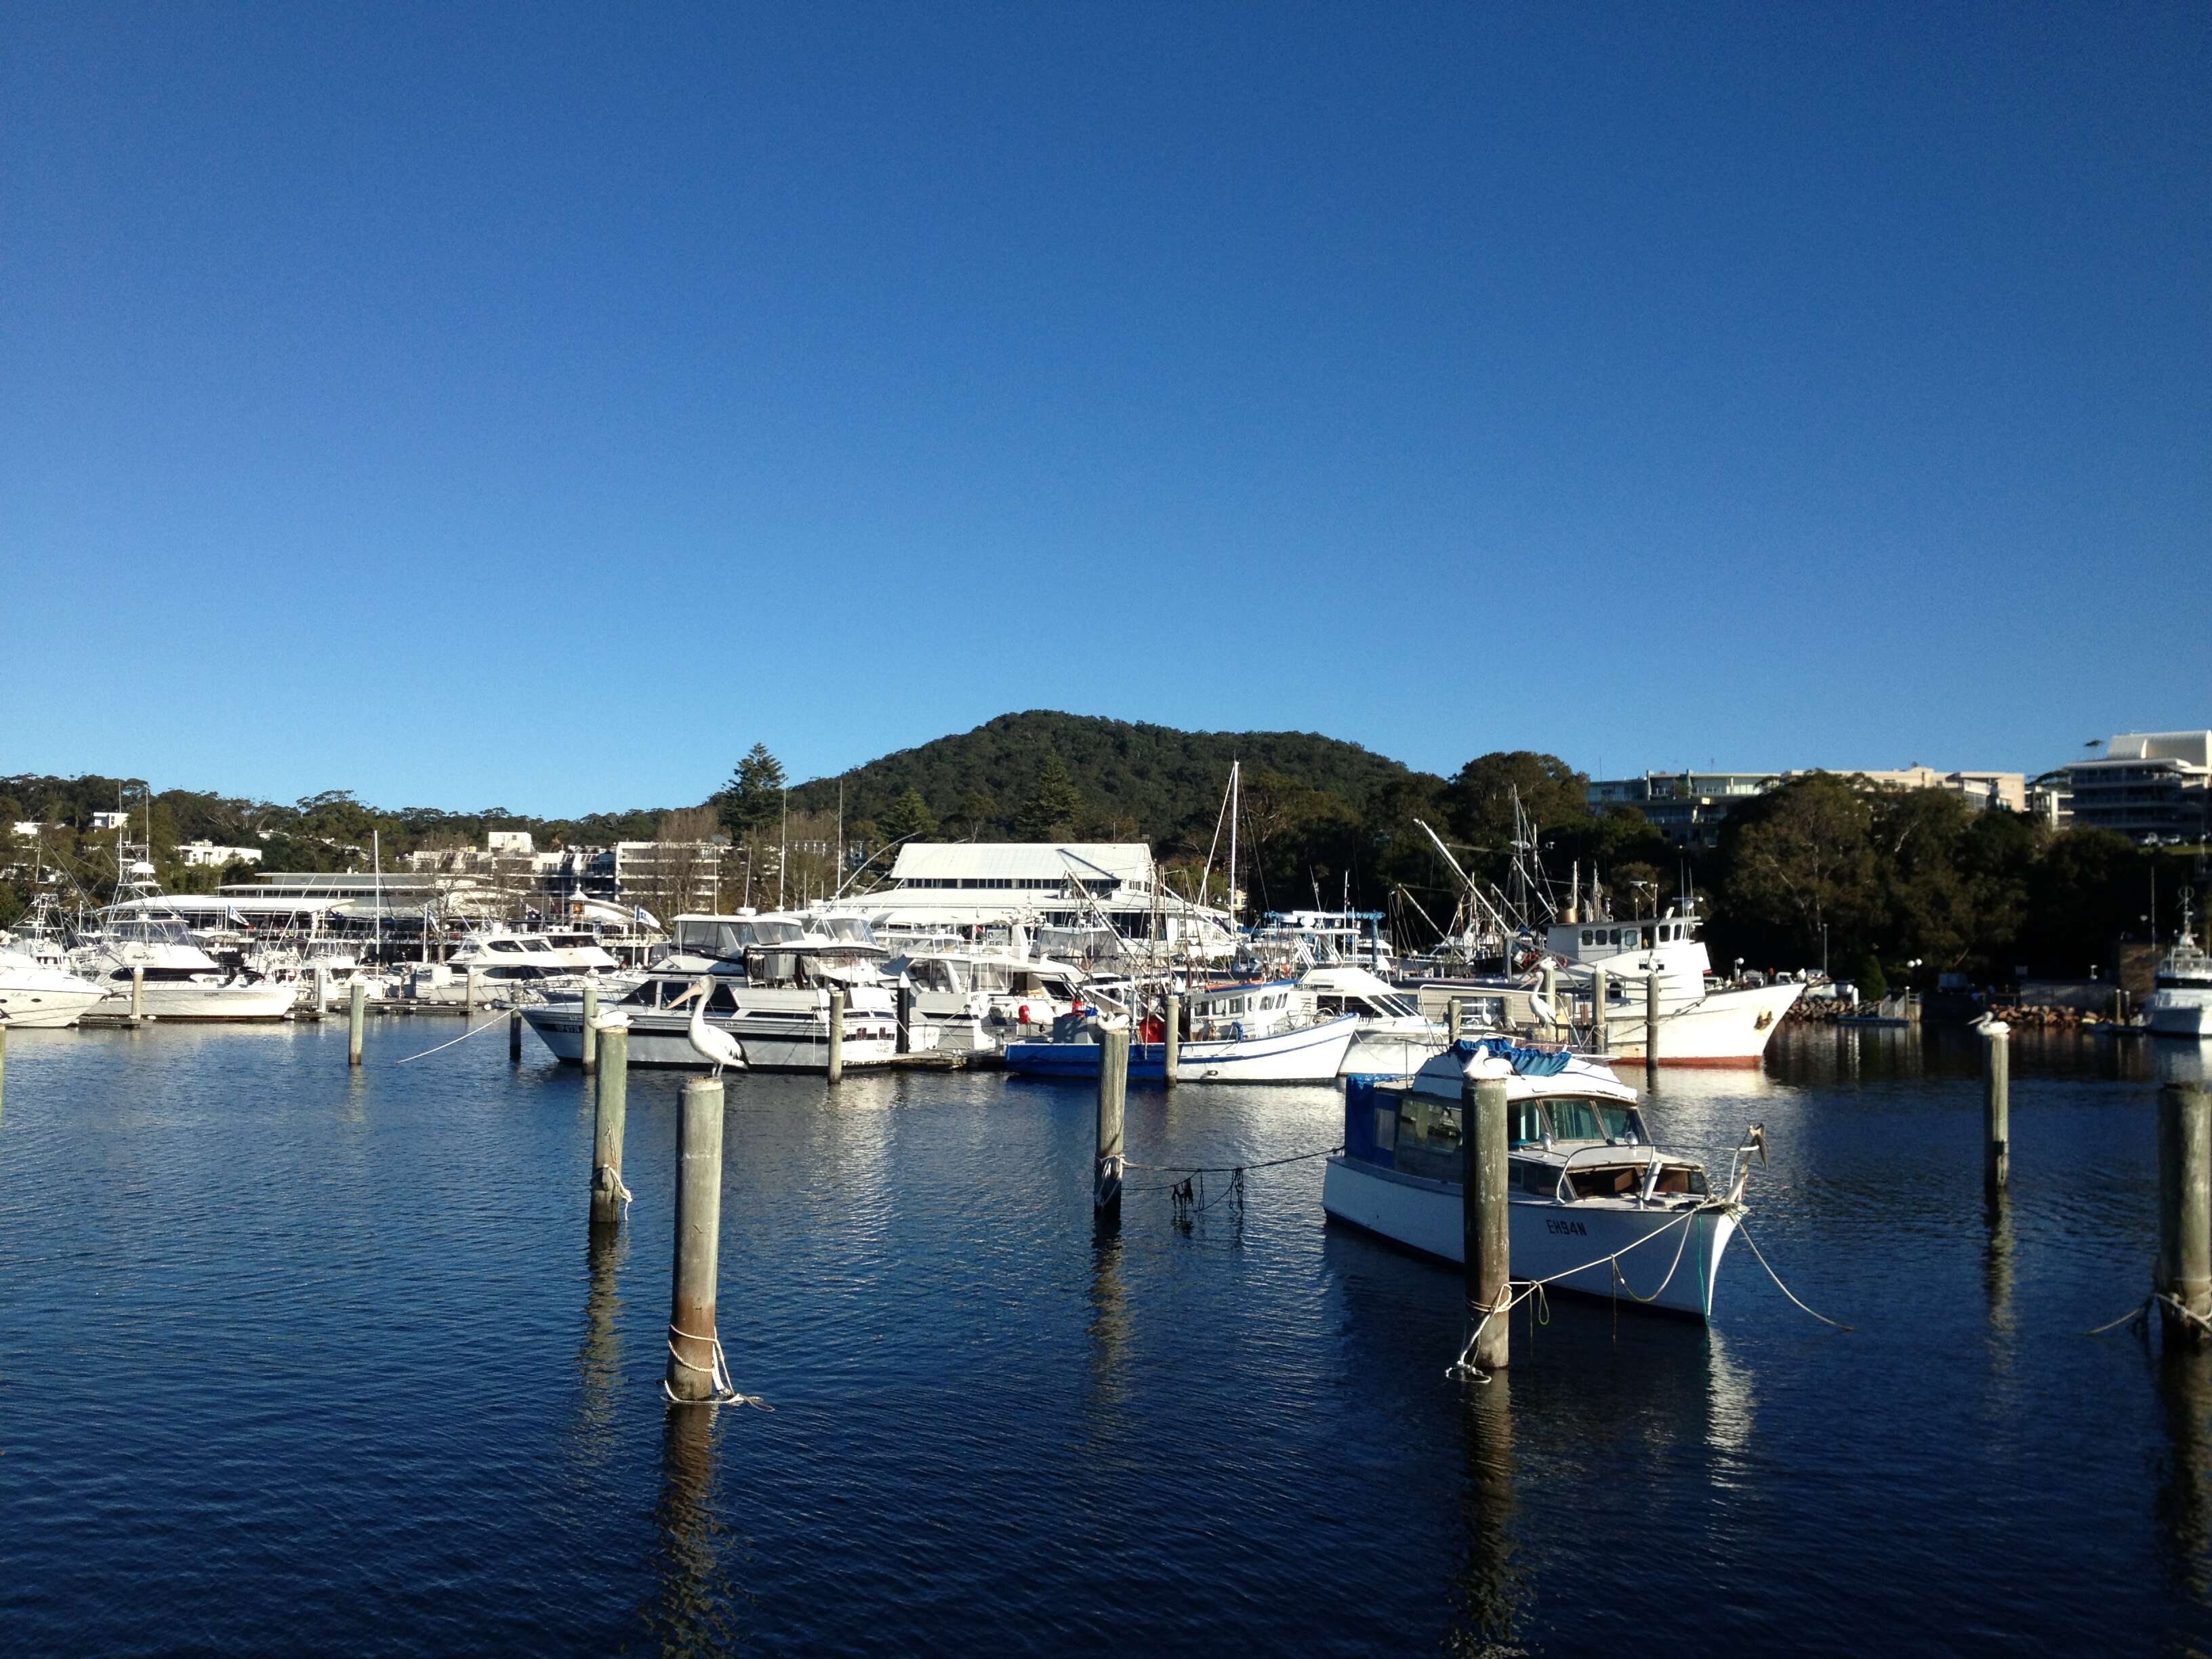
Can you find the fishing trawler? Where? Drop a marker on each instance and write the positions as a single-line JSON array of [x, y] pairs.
[[769, 979], [1595, 1206]]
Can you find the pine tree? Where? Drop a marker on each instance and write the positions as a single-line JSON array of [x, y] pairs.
[[753, 797], [1051, 813], [908, 816]]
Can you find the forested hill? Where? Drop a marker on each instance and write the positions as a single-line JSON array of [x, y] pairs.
[[1152, 782]]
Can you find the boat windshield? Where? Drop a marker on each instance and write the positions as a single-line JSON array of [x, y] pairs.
[[850, 930], [1576, 1118]]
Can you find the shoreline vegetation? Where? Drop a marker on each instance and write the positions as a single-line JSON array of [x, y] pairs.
[[1888, 886]]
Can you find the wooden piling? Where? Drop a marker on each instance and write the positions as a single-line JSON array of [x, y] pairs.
[[1113, 1094], [1486, 1237], [356, 1017], [611, 1107], [837, 1036], [903, 998], [1996, 1107], [591, 1032], [1600, 1033], [692, 1330], [1452, 1017], [514, 1037], [3, 1065], [1650, 1020], [469, 996], [1171, 1040], [1551, 989], [322, 989], [138, 996], [2184, 1210]]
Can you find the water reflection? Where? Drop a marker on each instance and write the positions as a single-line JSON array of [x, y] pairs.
[[696, 1610], [598, 1357], [1491, 1591], [1110, 1326], [1999, 1257], [2184, 1505], [2174, 1060]]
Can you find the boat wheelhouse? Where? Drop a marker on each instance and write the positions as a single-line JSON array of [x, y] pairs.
[[1394, 1037], [2180, 1002], [1594, 1204]]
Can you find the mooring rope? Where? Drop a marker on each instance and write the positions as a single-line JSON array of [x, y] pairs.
[[614, 1175], [1237, 1172], [492, 1024], [726, 1392], [1463, 1369], [2139, 1316]]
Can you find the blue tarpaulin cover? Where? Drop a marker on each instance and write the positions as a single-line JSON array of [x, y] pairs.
[[1529, 1062]]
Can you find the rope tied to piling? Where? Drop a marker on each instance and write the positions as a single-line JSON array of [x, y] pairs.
[[607, 1178], [2137, 1318], [1464, 1368], [726, 1392]]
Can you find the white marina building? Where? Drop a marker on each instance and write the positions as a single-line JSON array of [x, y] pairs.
[[1074, 897]]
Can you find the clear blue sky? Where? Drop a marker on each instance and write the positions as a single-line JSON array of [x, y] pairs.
[[535, 406]]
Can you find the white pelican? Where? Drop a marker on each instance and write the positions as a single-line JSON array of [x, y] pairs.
[[707, 1042]]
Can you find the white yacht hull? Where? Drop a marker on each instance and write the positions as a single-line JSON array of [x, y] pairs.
[[1675, 1272], [1305, 1054], [1720, 1028], [178, 1001], [789, 1044], [45, 1007], [2167, 1015]]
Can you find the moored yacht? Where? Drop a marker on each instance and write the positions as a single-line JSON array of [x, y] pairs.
[[1593, 1205], [2180, 1003], [144, 950], [769, 979], [1269, 1031], [34, 995], [1394, 1038]]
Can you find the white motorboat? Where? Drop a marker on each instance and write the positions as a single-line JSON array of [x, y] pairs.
[[769, 982], [507, 966], [1269, 1031], [34, 995], [981, 996], [1393, 1038], [1595, 1206], [2180, 1002], [141, 940]]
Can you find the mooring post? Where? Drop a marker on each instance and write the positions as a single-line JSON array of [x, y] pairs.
[[591, 1031], [1551, 989], [2185, 1209], [138, 995], [691, 1333], [1452, 1018], [1650, 1020], [356, 1017], [1601, 1035], [902, 998], [322, 989], [1113, 1093], [611, 1105], [1171, 1040], [3, 1065], [469, 996], [837, 1036], [515, 1038], [1997, 1104], [1485, 1237]]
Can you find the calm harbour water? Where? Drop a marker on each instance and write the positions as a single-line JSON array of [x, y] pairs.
[[295, 1359]]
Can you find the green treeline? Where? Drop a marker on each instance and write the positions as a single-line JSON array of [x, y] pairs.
[[1882, 877]]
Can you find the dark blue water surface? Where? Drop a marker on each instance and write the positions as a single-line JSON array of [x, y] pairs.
[[292, 1359]]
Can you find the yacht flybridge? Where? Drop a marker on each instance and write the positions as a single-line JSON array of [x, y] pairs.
[[1593, 1205], [141, 942], [769, 979]]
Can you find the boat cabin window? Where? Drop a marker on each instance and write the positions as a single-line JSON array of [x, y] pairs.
[[705, 936], [645, 996], [850, 930], [723, 1001], [771, 967], [1524, 1123], [932, 977]]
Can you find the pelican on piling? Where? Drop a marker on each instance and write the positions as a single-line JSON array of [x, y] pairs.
[[710, 1043]]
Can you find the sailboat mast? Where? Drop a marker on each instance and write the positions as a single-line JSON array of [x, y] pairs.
[[1236, 805]]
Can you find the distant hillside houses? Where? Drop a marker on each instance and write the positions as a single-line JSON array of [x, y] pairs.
[[1689, 807]]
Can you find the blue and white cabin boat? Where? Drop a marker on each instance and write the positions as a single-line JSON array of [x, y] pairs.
[[1595, 1206], [1260, 1031]]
